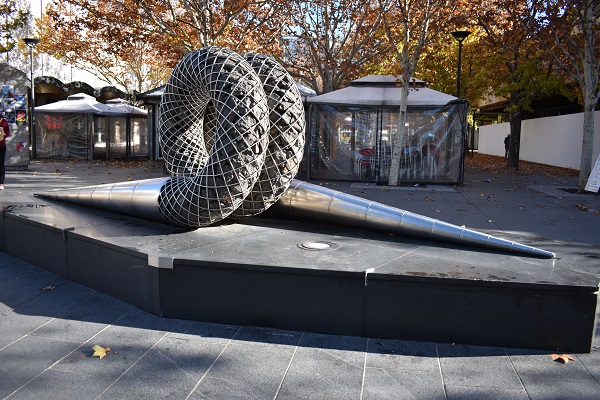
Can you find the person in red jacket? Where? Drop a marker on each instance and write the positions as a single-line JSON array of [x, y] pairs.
[[4, 133]]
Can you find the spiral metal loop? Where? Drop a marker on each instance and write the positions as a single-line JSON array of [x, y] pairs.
[[231, 132]]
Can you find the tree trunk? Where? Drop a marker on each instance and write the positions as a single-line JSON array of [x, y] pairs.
[[587, 146], [516, 118], [591, 94], [398, 142]]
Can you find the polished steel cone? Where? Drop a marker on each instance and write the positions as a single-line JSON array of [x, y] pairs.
[[305, 200], [301, 200], [135, 198]]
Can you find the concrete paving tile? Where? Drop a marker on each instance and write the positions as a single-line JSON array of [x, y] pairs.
[[6, 259], [10, 265], [27, 358], [86, 319], [591, 361], [477, 366], [536, 368], [127, 343], [335, 342], [400, 354], [267, 336], [22, 285], [401, 384], [56, 385], [204, 331], [457, 392], [231, 389], [324, 373], [56, 301], [170, 370], [255, 364], [562, 390], [4, 308], [14, 326], [140, 319]]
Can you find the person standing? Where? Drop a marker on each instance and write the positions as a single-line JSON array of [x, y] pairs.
[[506, 145], [4, 133]]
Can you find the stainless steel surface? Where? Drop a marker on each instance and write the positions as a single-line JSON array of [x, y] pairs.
[[305, 200], [136, 198]]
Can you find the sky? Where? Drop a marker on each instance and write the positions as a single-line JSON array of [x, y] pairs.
[[78, 75]]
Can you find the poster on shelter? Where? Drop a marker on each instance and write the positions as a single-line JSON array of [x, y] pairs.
[[20, 109]]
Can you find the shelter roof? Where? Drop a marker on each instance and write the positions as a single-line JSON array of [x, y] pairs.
[[126, 107], [81, 103], [152, 94], [381, 90], [385, 80]]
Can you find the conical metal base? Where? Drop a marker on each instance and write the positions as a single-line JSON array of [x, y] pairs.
[[135, 198], [301, 200], [305, 200]]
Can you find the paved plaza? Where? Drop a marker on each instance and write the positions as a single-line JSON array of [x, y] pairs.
[[48, 324]]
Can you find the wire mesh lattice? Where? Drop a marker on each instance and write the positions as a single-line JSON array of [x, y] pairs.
[[231, 133], [286, 136]]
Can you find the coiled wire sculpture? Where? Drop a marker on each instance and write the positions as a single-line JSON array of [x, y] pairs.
[[231, 131]]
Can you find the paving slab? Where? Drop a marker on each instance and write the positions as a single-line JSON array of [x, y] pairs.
[[170, 370], [402, 384], [27, 358]]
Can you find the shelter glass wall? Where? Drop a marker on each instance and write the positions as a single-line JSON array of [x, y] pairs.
[[357, 143], [117, 137], [62, 135], [100, 136], [87, 136], [139, 137]]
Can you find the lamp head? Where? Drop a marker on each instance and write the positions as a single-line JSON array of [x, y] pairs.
[[460, 35], [31, 42]]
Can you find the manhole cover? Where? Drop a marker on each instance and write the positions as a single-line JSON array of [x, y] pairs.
[[318, 246]]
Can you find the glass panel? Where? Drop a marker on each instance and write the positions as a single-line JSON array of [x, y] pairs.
[[139, 135], [101, 136], [343, 143], [118, 137], [61, 135], [433, 145]]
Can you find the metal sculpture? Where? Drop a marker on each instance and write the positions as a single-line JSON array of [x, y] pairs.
[[231, 129], [232, 132]]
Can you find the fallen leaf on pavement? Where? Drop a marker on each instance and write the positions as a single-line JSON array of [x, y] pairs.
[[562, 358], [100, 351]]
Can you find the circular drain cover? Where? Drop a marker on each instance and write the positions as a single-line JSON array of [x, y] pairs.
[[317, 246]]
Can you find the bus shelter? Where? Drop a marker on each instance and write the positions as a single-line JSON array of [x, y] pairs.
[[352, 132], [81, 127]]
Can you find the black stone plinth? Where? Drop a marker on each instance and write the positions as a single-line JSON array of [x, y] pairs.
[[256, 272]]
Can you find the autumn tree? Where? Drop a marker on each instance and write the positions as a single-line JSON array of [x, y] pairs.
[[14, 15], [569, 30], [135, 42], [519, 70], [410, 26], [327, 44], [112, 55]]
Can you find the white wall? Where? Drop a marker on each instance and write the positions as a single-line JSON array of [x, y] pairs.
[[551, 140], [491, 138]]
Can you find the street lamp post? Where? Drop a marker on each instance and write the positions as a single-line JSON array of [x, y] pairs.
[[31, 42], [460, 36]]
